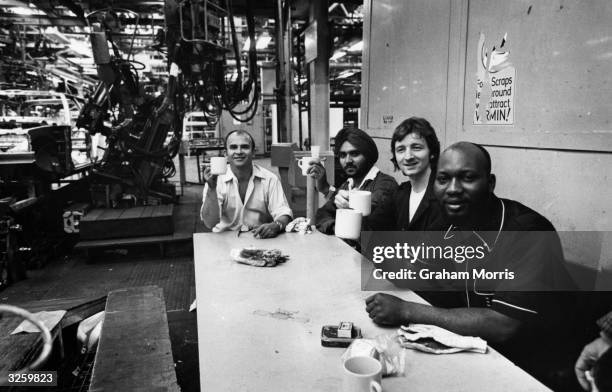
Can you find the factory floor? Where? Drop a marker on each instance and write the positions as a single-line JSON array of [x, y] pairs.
[[76, 275]]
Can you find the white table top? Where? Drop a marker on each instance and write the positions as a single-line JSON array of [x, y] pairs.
[[247, 341]]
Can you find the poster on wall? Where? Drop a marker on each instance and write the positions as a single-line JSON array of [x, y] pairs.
[[495, 85]]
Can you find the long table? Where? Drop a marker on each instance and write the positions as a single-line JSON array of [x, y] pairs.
[[259, 328]]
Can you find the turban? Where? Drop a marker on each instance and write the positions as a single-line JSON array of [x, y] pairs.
[[360, 140]]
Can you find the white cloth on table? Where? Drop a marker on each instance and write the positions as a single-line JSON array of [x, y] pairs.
[[419, 336]]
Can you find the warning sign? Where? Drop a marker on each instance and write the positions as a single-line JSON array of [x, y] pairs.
[[495, 86]]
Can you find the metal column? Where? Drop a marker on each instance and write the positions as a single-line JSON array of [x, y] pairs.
[[319, 77], [284, 75]]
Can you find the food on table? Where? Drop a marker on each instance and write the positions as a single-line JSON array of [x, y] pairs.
[[258, 257]]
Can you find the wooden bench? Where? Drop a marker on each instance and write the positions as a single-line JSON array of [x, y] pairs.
[[18, 351], [105, 223], [134, 352]]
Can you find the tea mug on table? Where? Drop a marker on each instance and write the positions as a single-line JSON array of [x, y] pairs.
[[348, 224], [362, 374]]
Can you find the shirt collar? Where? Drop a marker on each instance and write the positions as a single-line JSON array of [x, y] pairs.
[[372, 173], [230, 176]]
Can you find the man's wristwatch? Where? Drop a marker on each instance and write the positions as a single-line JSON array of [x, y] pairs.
[[280, 226], [330, 191]]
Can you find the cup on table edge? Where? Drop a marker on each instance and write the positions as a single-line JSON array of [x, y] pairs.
[[348, 224], [218, 165], [362, 374], [361, 201]]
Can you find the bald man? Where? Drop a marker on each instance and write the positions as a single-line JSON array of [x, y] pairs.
[[472, 213]]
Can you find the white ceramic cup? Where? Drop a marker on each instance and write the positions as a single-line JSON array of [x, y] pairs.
[[361, 201], [304, 164], [348, 224], [362, 374], [315, 151], [218, 165]]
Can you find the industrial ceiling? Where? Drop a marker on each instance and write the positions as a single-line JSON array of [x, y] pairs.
[[54, 32]]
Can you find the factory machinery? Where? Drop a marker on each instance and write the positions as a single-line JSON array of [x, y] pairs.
[[142, 132]]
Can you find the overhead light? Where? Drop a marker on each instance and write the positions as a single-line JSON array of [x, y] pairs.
[[80, 47], [247, 44], [345, 74], [338, 54], [32, 10], [54, 34], [263, 42], [357, 47]]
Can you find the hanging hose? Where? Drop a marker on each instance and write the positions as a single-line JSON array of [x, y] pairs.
[[46, 335], [237, 93]]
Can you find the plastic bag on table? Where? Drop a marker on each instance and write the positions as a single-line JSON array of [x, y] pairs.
[[385, 348]]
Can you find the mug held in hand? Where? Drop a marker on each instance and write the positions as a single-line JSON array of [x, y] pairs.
[[361, 201], [304, 164], [218, 165]]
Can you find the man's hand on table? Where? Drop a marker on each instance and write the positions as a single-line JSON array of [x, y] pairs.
[[272, 229], [267, 230], [590, 354], [387, 309]]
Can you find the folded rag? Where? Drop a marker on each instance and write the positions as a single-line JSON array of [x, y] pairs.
[[436, 340], [299, 225]]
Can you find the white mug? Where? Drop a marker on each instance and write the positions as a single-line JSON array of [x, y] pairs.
[[361, 201], [362, 374], [348, 224], [304, 164], [218, 165], [315, 151]]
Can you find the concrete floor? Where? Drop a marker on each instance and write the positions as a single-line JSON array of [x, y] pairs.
[[75, 275]]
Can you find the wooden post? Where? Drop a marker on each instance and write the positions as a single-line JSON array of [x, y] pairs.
[[319, 77], [312, 200]]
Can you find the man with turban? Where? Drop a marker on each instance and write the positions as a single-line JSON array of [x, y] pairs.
[[357, 154]]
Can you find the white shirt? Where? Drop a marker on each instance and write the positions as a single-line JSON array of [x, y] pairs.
[[265, 201], [414, 202], [372, 173]]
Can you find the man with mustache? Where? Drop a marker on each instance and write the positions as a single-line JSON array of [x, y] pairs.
[[247, 195], [507, 313], [357, 153]]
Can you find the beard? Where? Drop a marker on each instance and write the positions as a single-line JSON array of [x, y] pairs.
[[356, 171]]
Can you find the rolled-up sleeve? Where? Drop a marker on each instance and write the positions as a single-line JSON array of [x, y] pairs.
[[277, 202], [211, 207]]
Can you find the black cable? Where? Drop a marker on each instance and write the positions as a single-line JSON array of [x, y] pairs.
[[238, 92]]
